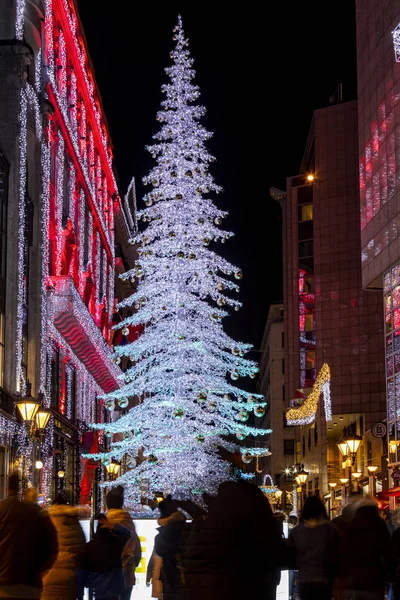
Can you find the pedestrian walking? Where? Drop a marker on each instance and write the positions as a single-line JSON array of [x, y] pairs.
[[313, 550], [292, 523], [28, 545], [233, 552], [131, 554], [168, 545], [366, 551], [101, 567], [60, 582]]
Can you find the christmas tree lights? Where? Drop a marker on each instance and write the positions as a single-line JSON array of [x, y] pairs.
[[184, 365]]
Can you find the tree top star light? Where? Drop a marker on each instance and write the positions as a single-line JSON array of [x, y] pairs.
[[184, 366]]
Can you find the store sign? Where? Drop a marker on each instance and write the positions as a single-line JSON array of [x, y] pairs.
[[379, 429], [69, 433]]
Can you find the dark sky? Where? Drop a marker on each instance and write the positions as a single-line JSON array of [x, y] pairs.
[[262, 69]]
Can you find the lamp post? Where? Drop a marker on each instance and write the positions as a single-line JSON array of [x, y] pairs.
[[36, 418], [113, 469], [332, 486], [371, 479], [301, 479], [348, 447], [356, 476], [343, 482]]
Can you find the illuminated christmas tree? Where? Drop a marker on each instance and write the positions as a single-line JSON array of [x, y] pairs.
[[184, 365]]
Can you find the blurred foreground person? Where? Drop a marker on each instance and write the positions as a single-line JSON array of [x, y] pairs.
[[235, 552], [60, 582], [131, 554], [28, 545], [313, 550], [366, 553], [293, 521], [31, 495], [101, 567]]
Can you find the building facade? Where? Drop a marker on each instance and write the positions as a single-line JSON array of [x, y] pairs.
[[329, 319], [272, 386], [378, 66], [60, 220]]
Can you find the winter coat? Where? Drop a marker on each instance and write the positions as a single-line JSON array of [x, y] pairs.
[[231, 553], [28, 546], [118, 516], [366, 552], [313, 551], [102, 563], [153, 575], [168, 545], [59, 582]]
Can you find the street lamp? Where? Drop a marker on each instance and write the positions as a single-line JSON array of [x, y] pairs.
[[356, 475], [28, 406], [113, 469], [36, 418], [302, 475], [371, 479], [343, 481]]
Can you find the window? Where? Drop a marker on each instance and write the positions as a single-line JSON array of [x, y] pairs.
[[55, 378], [305, 194], [305, 212], [66, 192], [283, 393], [306, 248], [288, 447], [309, 440], [86, 241], [310, 359], [309, 323], [283, 340], [283, 366]]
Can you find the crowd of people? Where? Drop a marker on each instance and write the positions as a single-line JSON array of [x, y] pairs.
[[232, 548]]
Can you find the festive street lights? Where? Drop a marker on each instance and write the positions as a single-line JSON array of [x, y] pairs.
[[371, 479]]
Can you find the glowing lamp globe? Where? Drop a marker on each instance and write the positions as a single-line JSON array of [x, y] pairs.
[[42, 417]]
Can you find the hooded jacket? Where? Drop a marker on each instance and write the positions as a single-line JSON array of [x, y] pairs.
[[59, 582], [119, 516]]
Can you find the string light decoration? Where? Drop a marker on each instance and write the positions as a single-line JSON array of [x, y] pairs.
[[396, 42], [270, 490], [20, 379], [305, 414], [181, 362], [19, 19]]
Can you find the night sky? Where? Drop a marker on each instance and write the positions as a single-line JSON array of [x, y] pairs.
[[261, 74]]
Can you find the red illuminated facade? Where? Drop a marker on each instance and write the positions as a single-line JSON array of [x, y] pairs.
[[68, 237]]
